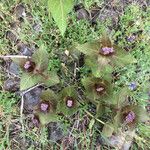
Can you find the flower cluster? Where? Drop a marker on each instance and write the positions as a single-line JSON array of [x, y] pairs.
[[102, 57]]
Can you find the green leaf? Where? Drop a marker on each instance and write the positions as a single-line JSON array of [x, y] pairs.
[[108, 129], [28, 80], [91, 124], [20, 61], [89, 85], [52, 79], [100, 109], [117, 120], [143, 115], [89, 48], [123, 60], [45, 118], [68, 92], [40, 57], [59, 10], [120, 97], [49, 96], [99, 66]]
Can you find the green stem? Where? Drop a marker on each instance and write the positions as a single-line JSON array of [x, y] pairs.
[[94, 117]]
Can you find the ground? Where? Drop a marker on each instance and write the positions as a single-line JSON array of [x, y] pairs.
[[25, 25]]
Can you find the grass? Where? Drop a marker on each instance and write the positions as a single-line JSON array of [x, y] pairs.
[[82, 135]]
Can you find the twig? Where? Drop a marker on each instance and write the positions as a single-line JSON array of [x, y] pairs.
[[15, 56], [21, 117], [26, 91], [22, 104], [94, 117], [75, 71]]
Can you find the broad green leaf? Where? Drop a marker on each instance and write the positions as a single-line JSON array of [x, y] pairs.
[[99, 67], [120, 97], [117, 120], [48, 95], [40, 57], [108, 129], [59, 10], [20, 61], [89, 48], [27, 81], [68, 92], [52, 79], [143, 115], [123, 60], [45, 118]]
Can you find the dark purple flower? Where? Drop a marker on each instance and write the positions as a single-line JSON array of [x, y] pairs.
[[69, 102], [130, 117], [44, 106], [29, 66], [107, 50], [131, 38], [132, 86], [100, 88]]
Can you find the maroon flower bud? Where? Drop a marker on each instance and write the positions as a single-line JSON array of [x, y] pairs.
[[130, 117], [36, 121], [44, 106], [69, 102], [106, 51], [29, 66], [100, 88]]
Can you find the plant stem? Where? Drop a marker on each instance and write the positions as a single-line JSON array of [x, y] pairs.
[[94, 117]]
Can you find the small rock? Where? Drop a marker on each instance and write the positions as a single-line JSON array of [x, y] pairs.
[[20, 11], [14, 68], [11, 85], [15, 25], [29, 18], [122, 140], [32, 98], [24, 49], [109, 14], [11, 36], [81, 12], [95, 12], [55, 133], [37, 27]]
